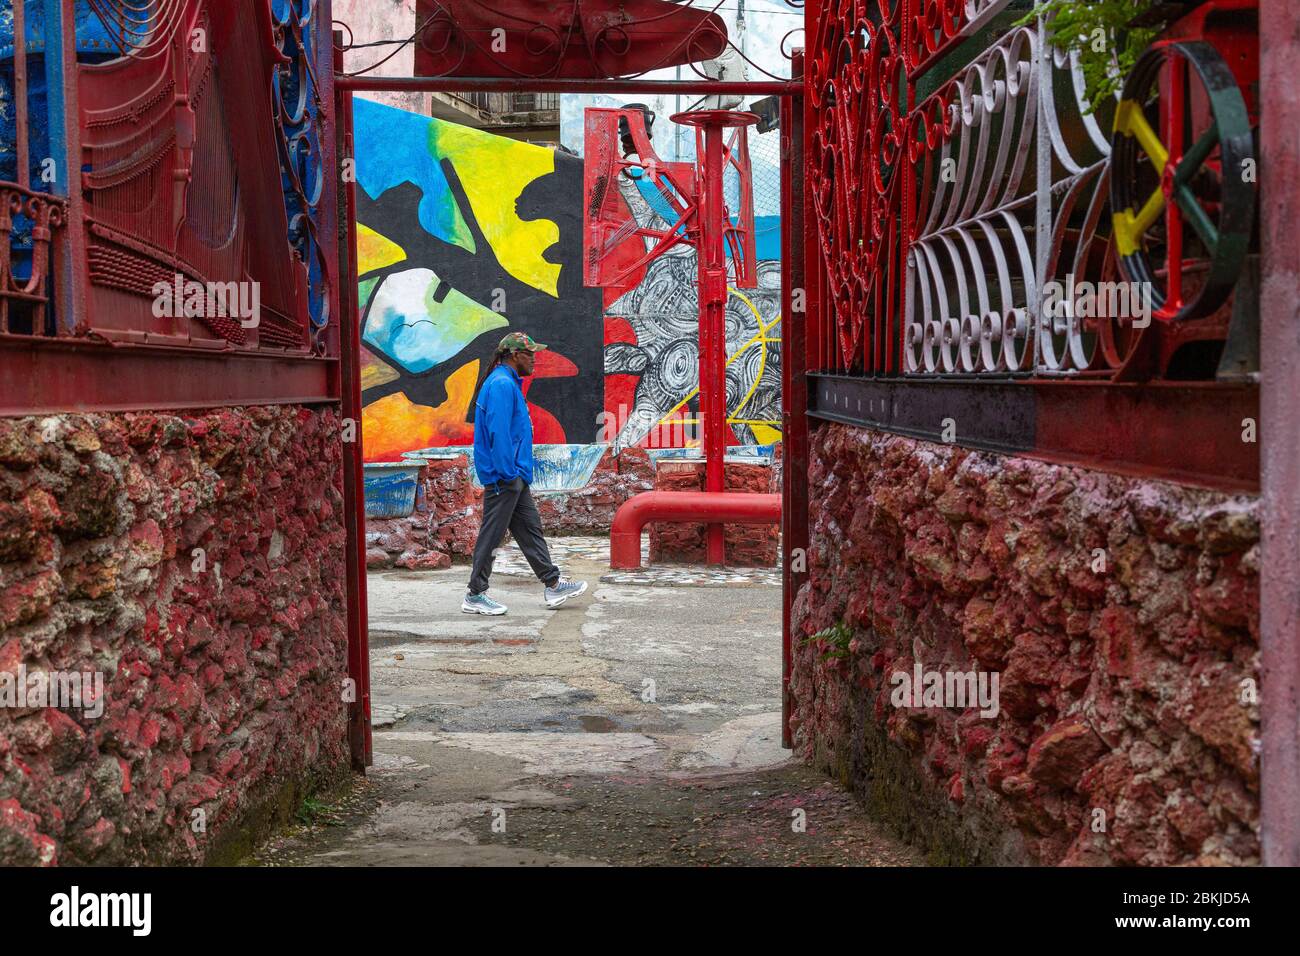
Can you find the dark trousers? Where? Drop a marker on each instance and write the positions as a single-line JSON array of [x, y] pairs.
[[509, 504]]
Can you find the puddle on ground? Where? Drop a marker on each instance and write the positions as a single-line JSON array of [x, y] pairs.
[[594, 724]]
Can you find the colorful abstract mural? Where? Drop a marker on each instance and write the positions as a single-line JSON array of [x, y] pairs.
[[462, 236]]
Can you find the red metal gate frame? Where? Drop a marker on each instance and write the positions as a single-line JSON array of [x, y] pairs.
[[354, 495], [1278, 473], [74, 372], [1279, 572]]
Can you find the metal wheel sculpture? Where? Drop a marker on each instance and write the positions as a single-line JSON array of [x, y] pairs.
[[1183, 198]]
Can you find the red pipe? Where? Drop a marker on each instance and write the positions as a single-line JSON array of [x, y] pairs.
[[711, 259], [735, 507]]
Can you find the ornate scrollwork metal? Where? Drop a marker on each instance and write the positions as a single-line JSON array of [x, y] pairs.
[[947, 223], [39, 217], [574, 38], [300, 117]]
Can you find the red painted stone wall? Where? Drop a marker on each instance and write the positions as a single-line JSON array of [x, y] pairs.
[[1126, 694], [222, 684], [744, 545]]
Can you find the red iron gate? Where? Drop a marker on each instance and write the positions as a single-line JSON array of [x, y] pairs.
[[962, 191]]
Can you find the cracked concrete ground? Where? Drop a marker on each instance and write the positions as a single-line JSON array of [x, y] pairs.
[[634, 725]]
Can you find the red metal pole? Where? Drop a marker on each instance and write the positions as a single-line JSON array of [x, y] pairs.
[[20, 92], [805, 241], [794, 385], [1279, 40], [711, 258], [712, 265], [69, 274], [359, 736]]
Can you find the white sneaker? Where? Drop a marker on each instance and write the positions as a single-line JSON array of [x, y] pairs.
[[481, 604], [563, 590]]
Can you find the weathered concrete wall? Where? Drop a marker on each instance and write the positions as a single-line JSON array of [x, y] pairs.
[[371, 20], [1120, 614], [222, 668]]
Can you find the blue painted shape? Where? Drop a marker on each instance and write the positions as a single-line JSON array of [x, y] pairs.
[[94, 45], [92, 36], [767, 238], [390, 488], [393, 148], [650, 192], [406, 323], [302, 157]]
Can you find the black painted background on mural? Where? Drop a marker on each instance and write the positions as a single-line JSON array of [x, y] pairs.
[[572, 324]]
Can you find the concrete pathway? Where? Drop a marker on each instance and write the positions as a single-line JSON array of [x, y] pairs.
[[636, 724]]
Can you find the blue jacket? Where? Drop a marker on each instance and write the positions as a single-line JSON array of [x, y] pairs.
[[503, 432]]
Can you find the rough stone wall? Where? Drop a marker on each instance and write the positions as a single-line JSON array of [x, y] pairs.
[[222, 677], [448, 511], [1127, 731], [744, 545]]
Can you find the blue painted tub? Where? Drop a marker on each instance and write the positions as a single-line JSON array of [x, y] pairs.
[[390, 488]]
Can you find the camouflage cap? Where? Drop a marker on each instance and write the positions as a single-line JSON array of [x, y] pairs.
[[518, 342]]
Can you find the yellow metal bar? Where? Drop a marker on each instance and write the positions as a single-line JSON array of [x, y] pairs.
[[1130, 227]]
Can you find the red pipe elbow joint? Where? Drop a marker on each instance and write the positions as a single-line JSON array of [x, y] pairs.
[[738, 507]]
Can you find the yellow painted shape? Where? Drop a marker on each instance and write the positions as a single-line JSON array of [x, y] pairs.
[[375, 251], [761, 340], [494, 171], [374, 370]]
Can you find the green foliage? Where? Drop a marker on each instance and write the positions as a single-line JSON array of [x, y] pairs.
[[837, 638], [1099, 31], [312, 812]]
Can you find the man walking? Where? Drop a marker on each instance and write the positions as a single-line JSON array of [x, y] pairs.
[[503, 458]]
